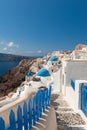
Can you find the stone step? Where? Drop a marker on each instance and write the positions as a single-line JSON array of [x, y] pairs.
[[60, 103], [64, 109], [65, 112], [75, 127], [69, 119]]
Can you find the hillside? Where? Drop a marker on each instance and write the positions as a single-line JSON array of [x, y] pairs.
[[14, 77], [11, 57]]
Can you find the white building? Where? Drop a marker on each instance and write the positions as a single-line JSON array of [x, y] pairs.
[[80, 52], [75, 70]]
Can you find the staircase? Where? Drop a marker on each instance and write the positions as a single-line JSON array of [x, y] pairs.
[[67, 118]]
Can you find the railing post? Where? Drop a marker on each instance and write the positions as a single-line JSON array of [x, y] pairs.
[[36, 106], [43, 100], [2, 124], [34, 110], [19, 118], [40, 103], [12, 120], [46, 98], [25, 116], [30, 107], [49, 95]]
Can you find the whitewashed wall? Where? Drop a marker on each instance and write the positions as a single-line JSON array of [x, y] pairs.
[[70, 96], [74, 96], [56, 81], [76, 70]]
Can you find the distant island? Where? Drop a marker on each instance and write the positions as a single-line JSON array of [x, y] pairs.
[[11, 57]]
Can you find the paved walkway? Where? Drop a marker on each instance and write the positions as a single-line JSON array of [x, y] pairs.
[[67, 118]]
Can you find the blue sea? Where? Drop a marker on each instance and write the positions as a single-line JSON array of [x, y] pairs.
[[7, 65]]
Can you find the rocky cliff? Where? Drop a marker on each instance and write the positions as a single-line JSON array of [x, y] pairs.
[[10, 57], [14, 77]]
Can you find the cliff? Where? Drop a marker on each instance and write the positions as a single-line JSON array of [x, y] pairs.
[[10, 57], [14, 77]]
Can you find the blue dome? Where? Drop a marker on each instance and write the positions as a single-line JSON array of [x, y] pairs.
[[53, 58], [43, 73], [29, 74]]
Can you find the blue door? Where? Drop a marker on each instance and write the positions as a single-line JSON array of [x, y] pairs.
[[84, 99]]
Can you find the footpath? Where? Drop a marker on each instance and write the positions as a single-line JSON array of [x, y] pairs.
[[66, 117]]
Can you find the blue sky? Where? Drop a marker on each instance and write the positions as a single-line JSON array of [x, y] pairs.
[[36, 27]]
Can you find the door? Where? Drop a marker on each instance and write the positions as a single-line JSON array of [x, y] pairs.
[[84, 99]]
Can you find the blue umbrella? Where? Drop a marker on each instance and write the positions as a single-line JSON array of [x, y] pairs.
[[43, 72]]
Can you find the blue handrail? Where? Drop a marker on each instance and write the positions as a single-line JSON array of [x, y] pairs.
[[29, 114]]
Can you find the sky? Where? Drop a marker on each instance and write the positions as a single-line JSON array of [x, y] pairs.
[[37, 27]]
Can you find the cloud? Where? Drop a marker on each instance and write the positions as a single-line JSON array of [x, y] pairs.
[[1, 43], [11, 51], [28, 52], [12, 44], [8, 47], [16, 45], [33, 52], [4, 49], [39, 51]]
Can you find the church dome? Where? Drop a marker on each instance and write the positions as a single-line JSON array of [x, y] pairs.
[[29, 74], [53, 58], [43, 72]]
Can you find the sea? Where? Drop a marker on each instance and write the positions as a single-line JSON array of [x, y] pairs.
[[5, 66]]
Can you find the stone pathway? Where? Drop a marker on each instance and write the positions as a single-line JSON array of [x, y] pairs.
[[67, 118]]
